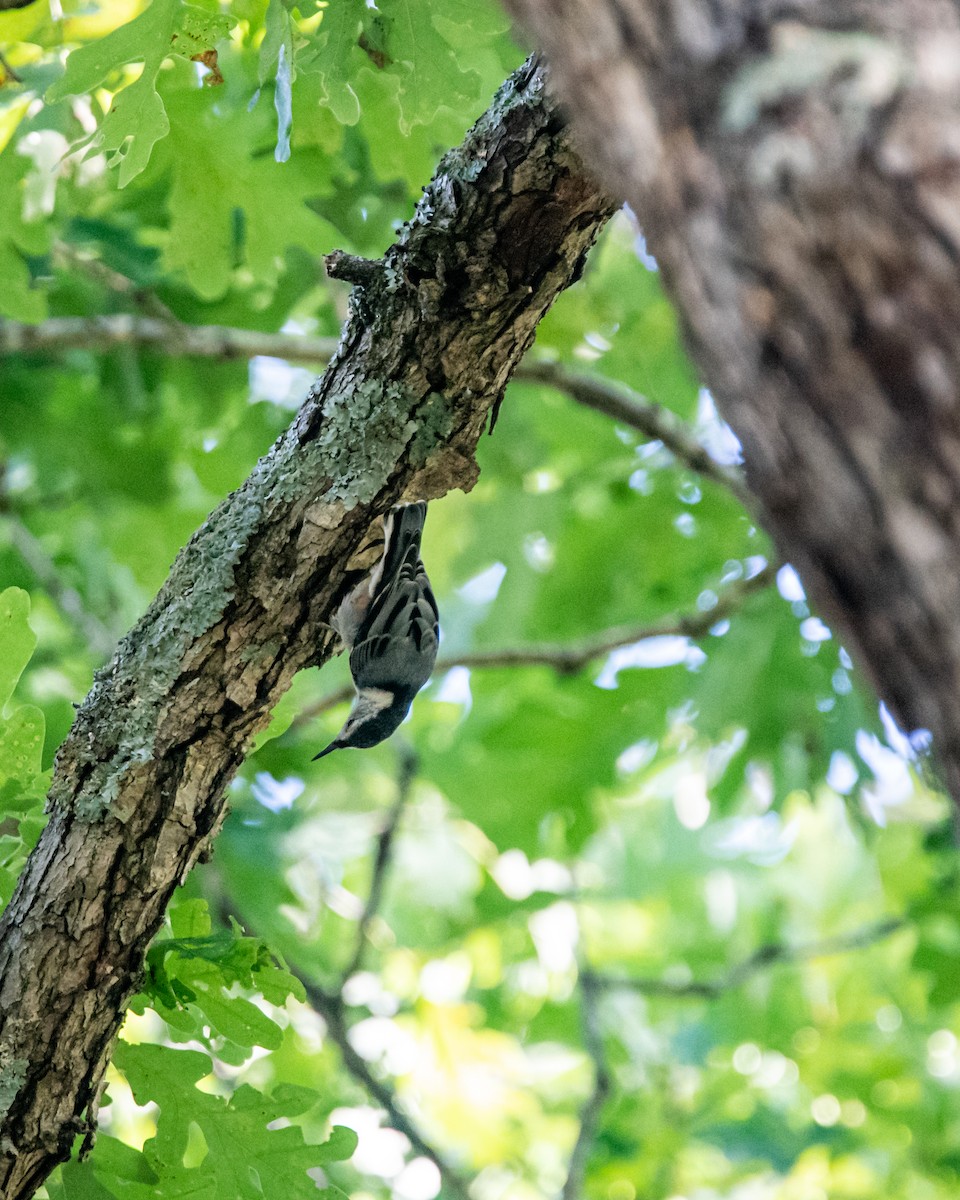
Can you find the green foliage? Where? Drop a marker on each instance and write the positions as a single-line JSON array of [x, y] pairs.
[[420, 52], [205, 1143], [19, 235], [239, 1157], [692, 820], [136, 120], [23, 783], [187, 977]]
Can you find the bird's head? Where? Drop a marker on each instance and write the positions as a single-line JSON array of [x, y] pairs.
[[376, 713]]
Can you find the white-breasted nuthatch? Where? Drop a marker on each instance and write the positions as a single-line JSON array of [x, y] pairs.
[[389, 625]]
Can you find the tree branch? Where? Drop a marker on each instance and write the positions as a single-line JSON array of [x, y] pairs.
[[381, 862], [139, 784], [567, 658], [602, 1084], [154, 333], [629, 408], [330, 1007], [352, 268], [760, 960], [222, 342]]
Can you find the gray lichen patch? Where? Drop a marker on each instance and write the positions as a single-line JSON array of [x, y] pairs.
[[192, 602], [211, 559], [870, 68], [434, 426], [13, 1074], [365, 431]]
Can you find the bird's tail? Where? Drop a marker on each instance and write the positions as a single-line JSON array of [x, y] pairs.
[[402, 530]]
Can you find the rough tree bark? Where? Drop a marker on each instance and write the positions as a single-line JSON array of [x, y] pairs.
[[434, 335], [796, 167]]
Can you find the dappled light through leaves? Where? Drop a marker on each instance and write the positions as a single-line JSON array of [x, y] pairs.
[[647, 898]]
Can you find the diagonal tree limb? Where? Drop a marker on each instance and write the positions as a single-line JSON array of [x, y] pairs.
[[139, 784], [381, 860], [629, 408], [762, 959]]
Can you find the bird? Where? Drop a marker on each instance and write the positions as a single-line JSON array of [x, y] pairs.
[[389, 624]]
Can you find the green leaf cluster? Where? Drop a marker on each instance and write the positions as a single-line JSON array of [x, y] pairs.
[[23, 783], [136, 119], [725, 830], [206, 1145], [189, 976]]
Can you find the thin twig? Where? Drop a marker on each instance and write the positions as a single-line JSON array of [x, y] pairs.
[[352, 268], [100, 640], [217, 341], [627, 406], [408, 769], [125, 329], [331, 1007], [760, 960], [69, 255], [602, 1084], [567, 658]]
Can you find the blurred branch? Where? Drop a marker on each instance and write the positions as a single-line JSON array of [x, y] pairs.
[[592, 1108], [220, 341], [68, 255], [331, 1007], [569, 657], [330, 1004], [407, 772], [760, 960], [124, 329], [68, 600], [623, 404]]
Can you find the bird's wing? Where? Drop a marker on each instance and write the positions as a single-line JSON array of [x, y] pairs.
[[398, 637]]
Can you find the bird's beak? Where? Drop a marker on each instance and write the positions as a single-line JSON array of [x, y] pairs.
[[334, 745]]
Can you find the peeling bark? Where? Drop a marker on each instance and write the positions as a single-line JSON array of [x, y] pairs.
[[796, 167], [139, 784]]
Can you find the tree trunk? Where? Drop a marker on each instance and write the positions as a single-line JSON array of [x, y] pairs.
[[435, 332], [796, 167]]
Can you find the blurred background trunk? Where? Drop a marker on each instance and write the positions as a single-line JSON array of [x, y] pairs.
[[795, 170]]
